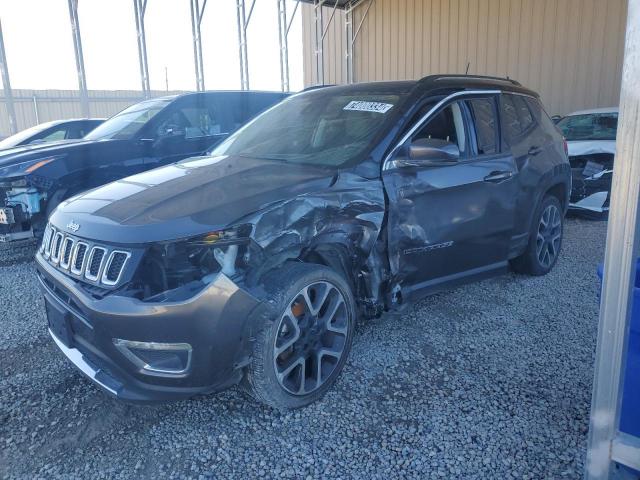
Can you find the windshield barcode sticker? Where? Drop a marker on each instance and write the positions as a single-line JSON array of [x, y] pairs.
[[362, 106]]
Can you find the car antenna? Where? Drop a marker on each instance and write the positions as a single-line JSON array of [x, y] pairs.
[[466, 72]]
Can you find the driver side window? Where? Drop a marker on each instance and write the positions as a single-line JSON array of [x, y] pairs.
[[191, 122], [447, 125]]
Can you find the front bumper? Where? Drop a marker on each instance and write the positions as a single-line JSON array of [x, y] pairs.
[[216, 323]]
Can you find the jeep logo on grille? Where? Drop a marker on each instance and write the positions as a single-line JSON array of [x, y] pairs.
[[73, 226]]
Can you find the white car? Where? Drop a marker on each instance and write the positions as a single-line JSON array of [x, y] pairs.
[[591, 140]]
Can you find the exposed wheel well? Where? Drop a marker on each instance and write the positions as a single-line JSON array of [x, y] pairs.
[[560, 192], [333, 256]]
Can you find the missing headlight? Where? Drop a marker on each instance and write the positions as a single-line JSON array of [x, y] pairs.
[[173, 271]]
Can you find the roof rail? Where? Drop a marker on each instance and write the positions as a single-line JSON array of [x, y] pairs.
[[471, 77]]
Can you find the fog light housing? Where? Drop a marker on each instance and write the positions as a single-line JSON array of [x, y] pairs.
[[156, 358]]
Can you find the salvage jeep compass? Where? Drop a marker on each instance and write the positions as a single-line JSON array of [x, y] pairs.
[[251, 265]]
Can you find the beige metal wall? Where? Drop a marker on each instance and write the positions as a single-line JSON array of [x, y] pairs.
[[38, 106], [570, 51]]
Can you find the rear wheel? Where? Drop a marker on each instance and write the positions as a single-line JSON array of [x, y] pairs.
[[300, 352], [545, 239]]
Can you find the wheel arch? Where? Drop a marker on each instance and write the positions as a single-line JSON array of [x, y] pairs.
[[335, 255], [560, 191]]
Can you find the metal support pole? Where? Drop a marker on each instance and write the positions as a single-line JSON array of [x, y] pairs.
[[333, 13], [140, 8], [6, 85], [321, 32], [348, 41], [284, 26], [77, 48], [243, 23], [35, 109], [197, 12], [319, 27], [293, 15], [606, 443], [352, 36], [284, 45]]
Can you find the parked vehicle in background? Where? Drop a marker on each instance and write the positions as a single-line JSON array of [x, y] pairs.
[[35, 179], [591, 139], [253, 264], [54, 131]]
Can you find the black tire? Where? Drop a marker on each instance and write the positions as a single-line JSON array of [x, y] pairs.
[[303, 337], [545, 239]]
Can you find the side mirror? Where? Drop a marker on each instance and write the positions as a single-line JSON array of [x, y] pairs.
[[433, 151]]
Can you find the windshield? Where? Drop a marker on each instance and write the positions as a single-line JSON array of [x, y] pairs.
[[592, 126], [317, 129], [128, 122], [20, 137]]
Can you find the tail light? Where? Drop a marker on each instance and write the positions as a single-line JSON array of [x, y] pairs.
[[566, 146]]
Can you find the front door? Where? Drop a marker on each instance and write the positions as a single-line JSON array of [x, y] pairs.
[[455, 219], [186, 129]]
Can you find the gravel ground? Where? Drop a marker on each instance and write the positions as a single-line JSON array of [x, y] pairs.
[[492, 380]]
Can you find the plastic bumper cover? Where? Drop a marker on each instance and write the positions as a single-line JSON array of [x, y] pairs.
[[213, 323]]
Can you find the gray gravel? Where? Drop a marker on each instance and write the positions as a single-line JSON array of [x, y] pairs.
[[492, 380]]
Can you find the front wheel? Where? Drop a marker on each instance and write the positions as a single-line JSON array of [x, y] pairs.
[[300, 352], [545, 239]]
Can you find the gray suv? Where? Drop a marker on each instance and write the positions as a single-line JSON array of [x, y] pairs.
[[251, 265]]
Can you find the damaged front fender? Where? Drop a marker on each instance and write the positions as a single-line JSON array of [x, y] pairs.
[[338, 225]]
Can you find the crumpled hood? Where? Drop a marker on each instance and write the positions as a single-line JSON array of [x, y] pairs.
[[184, 199], [591, 147]]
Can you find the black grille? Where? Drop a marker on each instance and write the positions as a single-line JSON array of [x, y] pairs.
[[80, 253], [66, 255], [96, 260], [55, 250], [49, 239], [115, 266]]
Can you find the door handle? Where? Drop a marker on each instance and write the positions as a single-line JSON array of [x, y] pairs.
[[497, 177], [534, 150]]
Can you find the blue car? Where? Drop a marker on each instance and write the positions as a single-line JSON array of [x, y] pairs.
[[34, 179], [55, 131]]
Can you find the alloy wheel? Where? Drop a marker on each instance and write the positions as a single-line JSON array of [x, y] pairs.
[[549, 236], [311, 338]]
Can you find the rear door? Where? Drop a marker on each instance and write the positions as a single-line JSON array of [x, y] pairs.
[[450, 221]]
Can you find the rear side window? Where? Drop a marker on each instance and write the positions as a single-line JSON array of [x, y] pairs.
[[517, 118], [484, 119], [50, 135], [524, 114], [510, 121], [541, 117]]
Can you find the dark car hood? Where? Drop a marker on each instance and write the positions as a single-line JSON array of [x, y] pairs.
[[188, 198], [12, 156]]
